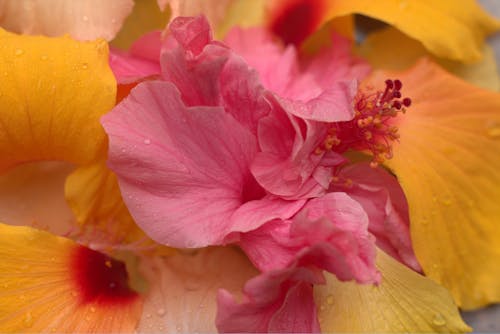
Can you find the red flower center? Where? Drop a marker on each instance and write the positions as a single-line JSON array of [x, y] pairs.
[[99, 278]]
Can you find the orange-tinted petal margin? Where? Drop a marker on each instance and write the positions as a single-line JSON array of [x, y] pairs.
[[448, 163], [51, 284], [52, 94]]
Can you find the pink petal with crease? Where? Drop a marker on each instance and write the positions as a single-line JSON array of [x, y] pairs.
[[329, 233], [274, 302], [385, 203], [182, 170]]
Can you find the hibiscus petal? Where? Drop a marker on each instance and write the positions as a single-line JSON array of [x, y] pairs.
[[48, 286], [448, 165], [83, 20], [459, 34], [330, 233], [57, 89], [280, 301], [385, 203], [33, 194], [93, 194], [377, 48], [183, 171], [405, 302], [183, 290]]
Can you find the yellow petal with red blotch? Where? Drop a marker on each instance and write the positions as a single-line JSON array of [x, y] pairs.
[[54, 91], [448, 164], [183, 289], [83, 20], [51, 284], [93, 194], [445, 28], [378, 49], [145, 17], [404, 302], [33, 194]]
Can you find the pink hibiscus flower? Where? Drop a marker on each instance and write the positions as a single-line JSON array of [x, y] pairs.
[[240, 149]]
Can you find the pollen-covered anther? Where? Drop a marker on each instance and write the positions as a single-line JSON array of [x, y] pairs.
[[373, 128]]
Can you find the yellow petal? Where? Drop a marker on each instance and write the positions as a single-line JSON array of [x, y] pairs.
[[145, 17], [54, 91], [447, 30], [404, 302], [378, 49], [41, 291], [33, 194], [448, 164], [183, 291], [83, 20], [93, 194]]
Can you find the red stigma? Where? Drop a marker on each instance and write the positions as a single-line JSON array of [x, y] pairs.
[[372, 128], [100, 278], [296, 20]]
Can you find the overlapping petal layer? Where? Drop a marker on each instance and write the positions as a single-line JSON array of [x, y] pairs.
[[378, 49], [447, 30], [57, 89], [447, 163], [51, 284], [83, 20], [404, 302]]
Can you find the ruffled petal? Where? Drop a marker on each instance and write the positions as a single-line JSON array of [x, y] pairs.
[[377, 48], [182, 296], [183, 171], [57, 90], [83, 20], [279, 301], [33, 195], [405, 302], [385, 203], [329, 233], [49, 285], [447, 164]]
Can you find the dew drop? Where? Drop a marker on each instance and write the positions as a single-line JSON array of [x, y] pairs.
[[113, 20], [160, 312], [439, 320], [147, 141], [44, 57], [85, 66], [92, 309], [148, 316], [73, 293], [28, 320], [329, 299], [322, 307], [85, 18], [19, 52], [494, 132]]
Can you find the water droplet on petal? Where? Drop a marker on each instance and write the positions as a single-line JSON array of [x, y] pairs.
[[85, 18], [28, 320], [113, 20], [147, 141], [439, 320], [92, 309], [329, 299], [44, 57], [19, 52], [85, 66], [160, 312]]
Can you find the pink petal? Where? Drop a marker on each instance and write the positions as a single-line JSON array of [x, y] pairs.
[[83, 20], [321, 88], [182, 170], [329, 233], [129, 69], [287, 165], [385, 203], [274, 302]]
